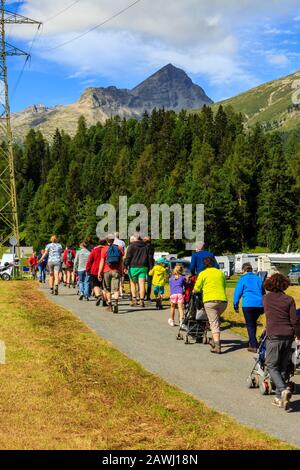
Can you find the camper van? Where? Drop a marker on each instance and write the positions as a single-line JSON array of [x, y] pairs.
[[243, 258], [226, 264], [278, 262]]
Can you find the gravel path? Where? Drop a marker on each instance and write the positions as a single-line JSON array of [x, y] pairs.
[[219, 381]]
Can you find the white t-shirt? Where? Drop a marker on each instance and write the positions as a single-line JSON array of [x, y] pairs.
[[54, 253]]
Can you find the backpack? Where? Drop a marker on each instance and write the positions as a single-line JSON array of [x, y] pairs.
[[70, 256], [113, 255]]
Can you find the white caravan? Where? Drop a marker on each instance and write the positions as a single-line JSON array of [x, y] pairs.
[[243, 258], [276, 262], [224, 264]]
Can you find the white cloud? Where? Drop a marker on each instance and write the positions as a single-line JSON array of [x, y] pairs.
[[197, 35], [278, 59]]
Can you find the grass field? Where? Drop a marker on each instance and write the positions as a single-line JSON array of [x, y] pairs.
[[64, 388]]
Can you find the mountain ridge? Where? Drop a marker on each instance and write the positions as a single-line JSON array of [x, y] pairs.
[[169, 88]]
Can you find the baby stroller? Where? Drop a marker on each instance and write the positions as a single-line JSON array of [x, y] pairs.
[[260, 377], [195, 325]]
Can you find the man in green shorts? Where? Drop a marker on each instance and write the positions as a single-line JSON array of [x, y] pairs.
[[138, 261]]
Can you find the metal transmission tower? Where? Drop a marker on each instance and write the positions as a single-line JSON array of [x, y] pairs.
[[9, 224]]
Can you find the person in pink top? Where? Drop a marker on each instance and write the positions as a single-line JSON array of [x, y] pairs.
[[111, 271], [177, 289]]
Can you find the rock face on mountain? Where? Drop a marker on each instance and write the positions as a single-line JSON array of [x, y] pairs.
[[169, 88]]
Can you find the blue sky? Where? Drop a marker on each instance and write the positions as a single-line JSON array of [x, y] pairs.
[[226, 46]]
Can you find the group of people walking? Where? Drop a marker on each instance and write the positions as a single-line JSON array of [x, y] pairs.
[[101, 269]]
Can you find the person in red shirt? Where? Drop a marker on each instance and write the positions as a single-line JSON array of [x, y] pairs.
[[92, 268], [111, 271], [33, 263], [69, 257]]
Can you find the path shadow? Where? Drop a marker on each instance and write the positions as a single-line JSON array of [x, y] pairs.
[[229, 324], [230, 345]]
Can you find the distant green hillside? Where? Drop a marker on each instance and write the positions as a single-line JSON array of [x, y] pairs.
[[269, 104]]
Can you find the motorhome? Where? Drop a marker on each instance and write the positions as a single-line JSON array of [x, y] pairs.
[[278, 262], [225, 265], [243, 258]]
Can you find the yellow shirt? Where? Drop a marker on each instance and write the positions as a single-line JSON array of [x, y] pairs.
[[212, 283], [159, 274]]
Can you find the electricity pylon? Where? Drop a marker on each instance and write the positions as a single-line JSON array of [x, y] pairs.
[[9, 223]]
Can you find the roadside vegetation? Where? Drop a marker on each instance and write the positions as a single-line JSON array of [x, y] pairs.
[[65, 388]]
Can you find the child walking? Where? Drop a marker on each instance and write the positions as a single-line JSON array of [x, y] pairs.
[[160, 277], [177, 289]]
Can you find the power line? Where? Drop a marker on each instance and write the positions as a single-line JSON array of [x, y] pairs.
[[61, 12], [95, 27], [27, 60]]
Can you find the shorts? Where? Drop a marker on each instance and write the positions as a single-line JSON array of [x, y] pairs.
[[95, 281], [159, 290], [54, 267], [214, 311], [138, 273], [177, 299], [112, 281]]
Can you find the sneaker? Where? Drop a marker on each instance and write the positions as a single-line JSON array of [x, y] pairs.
[[216, 349], [52, 291], [103, 303], [98, 301], [81, 297], [171, 322], [277, 402], [143, 304], [56, 290], [285, 399], [133, 303]]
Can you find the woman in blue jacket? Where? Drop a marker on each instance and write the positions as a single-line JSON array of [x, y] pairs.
[[250, 288]]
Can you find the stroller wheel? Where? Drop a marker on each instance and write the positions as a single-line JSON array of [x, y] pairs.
[[291, 386], [249, 382], [255, 381]]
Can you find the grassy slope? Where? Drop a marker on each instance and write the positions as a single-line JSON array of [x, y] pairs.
[[64, 388], [267, 103]]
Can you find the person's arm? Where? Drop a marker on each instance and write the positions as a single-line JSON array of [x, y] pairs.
[[90, 262], [44, 255], [76, 261], [102, 263], [101, 267], [199, 283], [193, 264], [294, 319], [238, 293], [151, 272], [128, 257]]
